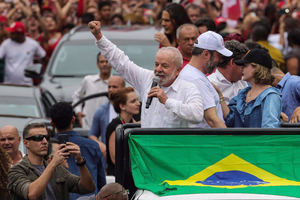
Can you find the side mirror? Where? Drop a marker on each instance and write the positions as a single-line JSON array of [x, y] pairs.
[[34, 71]]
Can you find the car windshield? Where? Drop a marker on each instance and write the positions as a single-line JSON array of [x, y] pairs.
[[77, 59], [17, 106]]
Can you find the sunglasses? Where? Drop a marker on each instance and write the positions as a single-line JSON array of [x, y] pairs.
[[38, 138]]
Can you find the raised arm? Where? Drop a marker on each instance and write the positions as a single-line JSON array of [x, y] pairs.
[[132, 73], [95, 28]]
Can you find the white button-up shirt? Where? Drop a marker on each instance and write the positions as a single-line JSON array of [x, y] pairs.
[[91, 84], [209, 94], [183, 107], [227, 88]]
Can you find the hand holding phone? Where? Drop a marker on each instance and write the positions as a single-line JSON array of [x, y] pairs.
[[63, 138]]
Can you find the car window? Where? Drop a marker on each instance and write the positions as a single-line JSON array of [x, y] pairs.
[[77, 59], [18, 106]]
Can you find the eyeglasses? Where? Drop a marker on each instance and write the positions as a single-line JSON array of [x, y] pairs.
[[125, 192], [38, 138]]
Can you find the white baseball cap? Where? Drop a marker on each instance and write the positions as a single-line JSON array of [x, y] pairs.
[[212, 41]]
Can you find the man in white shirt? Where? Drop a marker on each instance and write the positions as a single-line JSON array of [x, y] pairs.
[[177, 103], [228, 74], [19, 52], [92, 84], [205, 56]]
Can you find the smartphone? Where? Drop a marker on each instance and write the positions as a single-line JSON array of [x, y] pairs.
[[283, 11], [63, 138]]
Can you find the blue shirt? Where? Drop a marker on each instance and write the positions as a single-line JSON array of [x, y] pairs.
[[90, 150], [290, 89], [100, 122], [262, 112]]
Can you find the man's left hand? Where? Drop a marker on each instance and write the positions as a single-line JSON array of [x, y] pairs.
[[158, 93], [74, 150]]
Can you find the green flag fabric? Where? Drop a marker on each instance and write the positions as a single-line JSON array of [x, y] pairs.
[[189, 164]]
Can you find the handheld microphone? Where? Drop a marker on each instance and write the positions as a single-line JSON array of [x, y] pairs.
[[154, 83]]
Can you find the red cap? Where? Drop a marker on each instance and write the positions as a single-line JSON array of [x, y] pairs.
[[3, 19], [16, 27], [219, 20]]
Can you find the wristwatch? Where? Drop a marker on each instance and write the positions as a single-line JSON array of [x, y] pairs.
[[83, 161]]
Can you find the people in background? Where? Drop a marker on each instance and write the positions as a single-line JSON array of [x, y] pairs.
[[92, 84], [289, 86], [10, 142], [172, 17], [186, 35]]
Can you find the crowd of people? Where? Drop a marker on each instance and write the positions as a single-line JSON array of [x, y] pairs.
[[210, 71]]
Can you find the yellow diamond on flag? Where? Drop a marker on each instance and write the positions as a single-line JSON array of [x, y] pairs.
[[234, 172]]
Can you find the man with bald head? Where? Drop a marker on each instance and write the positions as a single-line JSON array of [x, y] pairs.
[[112, 191], [105, 114], [10, 141]]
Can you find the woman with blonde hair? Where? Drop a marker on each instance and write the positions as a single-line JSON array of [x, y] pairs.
[[258, 105]]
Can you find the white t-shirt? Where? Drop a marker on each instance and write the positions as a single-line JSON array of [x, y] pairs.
[[17, 57], [209, 94]]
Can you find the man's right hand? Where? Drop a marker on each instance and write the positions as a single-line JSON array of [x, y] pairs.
[[60, 155], [95, 27]]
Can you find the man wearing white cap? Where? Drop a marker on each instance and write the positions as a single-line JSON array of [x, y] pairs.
[[205, 56]]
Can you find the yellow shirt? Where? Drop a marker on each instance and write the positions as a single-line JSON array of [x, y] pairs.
[[274, 53]]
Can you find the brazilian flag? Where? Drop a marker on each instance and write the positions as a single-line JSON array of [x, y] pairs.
[[188, 164]]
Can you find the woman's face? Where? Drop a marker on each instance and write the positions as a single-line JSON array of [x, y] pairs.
[[248, 71], [132, 105], [50, 23], [166, 22]]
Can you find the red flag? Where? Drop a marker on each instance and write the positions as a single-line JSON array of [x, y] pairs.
[[231, 9]]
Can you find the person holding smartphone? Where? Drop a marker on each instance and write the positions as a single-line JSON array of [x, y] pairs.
[[62, 116], [34, 178]]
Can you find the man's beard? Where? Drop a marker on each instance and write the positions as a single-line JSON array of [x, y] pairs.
[[211, 65], [166, 78]]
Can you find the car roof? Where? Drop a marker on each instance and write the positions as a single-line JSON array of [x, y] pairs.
[[17, 90], [115, 33]]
